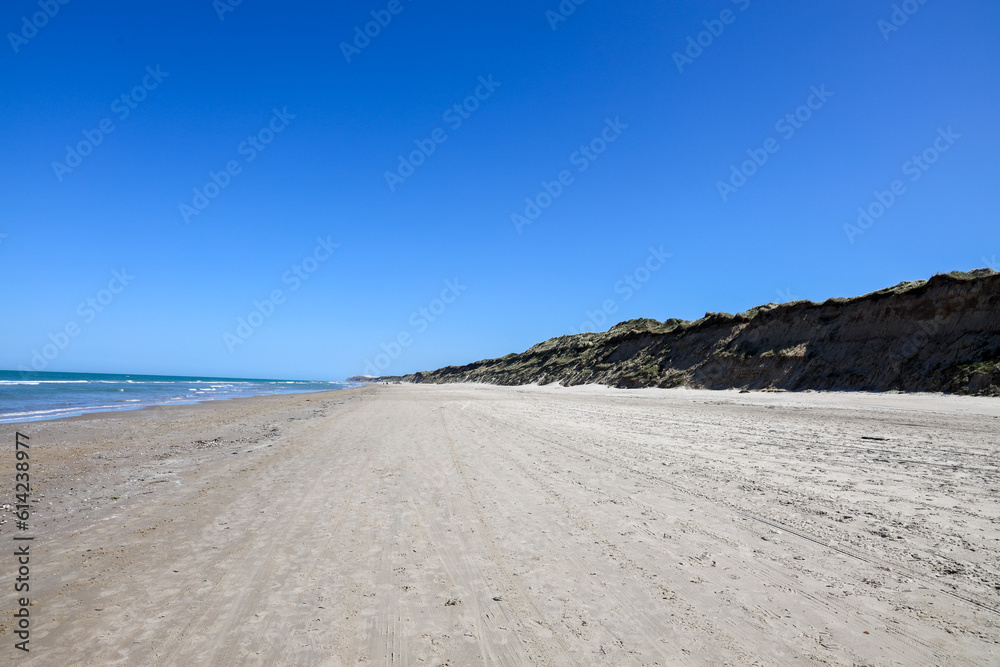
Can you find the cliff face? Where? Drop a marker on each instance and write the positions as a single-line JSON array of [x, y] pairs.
[[942, 334]]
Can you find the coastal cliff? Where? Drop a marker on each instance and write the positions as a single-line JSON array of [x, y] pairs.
[[941, 334]]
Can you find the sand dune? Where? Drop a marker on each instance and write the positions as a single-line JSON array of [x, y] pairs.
[[937, 335], [466, 525]]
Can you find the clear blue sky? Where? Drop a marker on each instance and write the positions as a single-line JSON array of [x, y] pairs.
[[678, 126]]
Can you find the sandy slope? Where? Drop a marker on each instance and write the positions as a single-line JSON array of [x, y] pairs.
[[470, 525], [941, 334]]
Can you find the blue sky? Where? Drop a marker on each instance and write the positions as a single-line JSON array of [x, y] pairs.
[[620, 100]]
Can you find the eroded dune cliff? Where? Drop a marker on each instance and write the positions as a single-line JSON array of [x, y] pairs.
[[941, 334]]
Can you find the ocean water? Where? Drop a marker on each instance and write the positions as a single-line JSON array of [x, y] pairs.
[[32, 396]]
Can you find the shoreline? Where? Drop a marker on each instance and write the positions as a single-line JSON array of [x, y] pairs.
[[43, 396], [545, 525], [89, 412]]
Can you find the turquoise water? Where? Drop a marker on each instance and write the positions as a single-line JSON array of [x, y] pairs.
[[33, 396]]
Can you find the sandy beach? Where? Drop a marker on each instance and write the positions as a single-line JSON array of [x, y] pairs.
[[467, 525]]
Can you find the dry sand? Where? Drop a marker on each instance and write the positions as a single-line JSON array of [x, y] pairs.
[[466, 525]]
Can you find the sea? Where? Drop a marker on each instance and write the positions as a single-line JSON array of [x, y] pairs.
[[35, 396]]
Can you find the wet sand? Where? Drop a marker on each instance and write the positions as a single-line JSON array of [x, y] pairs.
[[467, 525]]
